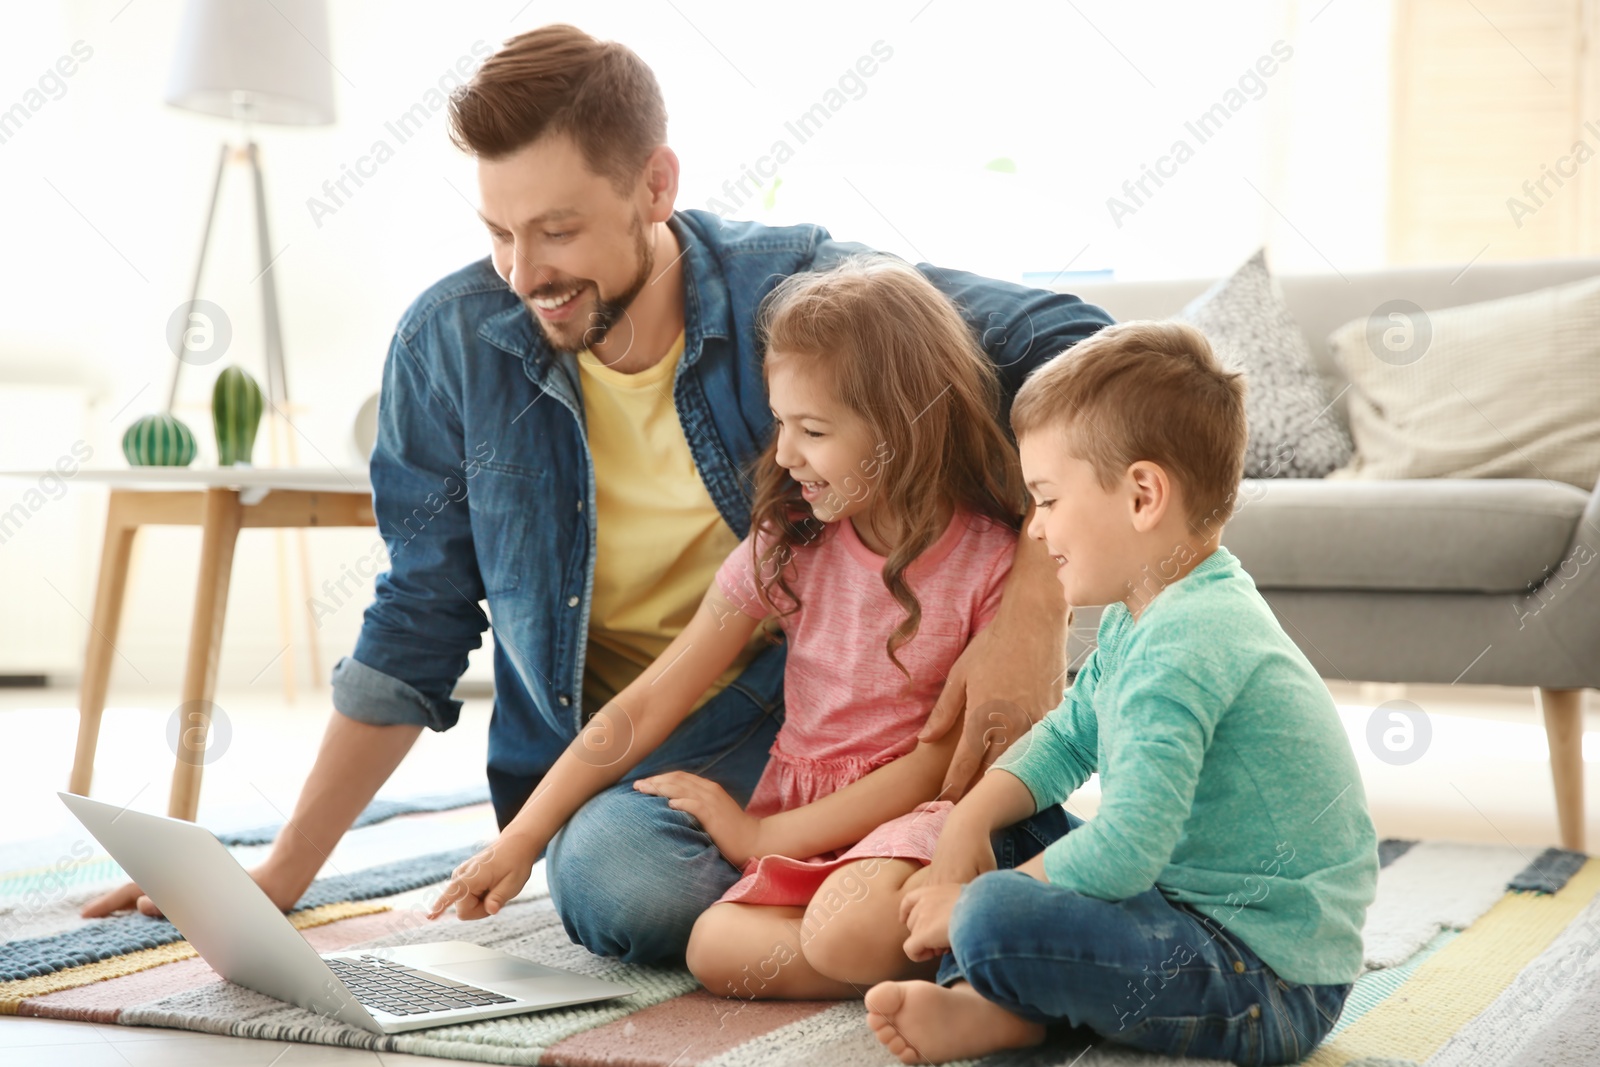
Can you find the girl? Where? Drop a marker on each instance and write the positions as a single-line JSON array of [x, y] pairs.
[[885, 515]]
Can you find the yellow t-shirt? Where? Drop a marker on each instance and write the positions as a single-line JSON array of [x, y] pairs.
[[659, 536]]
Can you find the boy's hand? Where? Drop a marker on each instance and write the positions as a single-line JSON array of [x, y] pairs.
[[482, 885], [959, 857], [735, 833], [925, 911]]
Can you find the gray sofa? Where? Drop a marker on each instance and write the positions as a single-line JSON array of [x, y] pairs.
[[1487, 582]]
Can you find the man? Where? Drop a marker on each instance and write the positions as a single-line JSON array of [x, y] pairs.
[[571, 449]]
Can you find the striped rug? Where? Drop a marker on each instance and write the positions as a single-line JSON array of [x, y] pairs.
[[1462, 970]]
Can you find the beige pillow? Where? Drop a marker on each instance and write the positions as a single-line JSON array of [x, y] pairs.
[[1507, 388]]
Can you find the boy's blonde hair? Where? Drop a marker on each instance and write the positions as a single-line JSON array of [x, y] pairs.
[[1146, 390]]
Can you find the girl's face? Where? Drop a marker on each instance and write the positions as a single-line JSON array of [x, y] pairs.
[[826, 447]]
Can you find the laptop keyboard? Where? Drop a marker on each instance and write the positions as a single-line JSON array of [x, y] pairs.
[[401, 990]]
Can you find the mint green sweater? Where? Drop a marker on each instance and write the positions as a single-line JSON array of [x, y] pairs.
[[1226, 778]]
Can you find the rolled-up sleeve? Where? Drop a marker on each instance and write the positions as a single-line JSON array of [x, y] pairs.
[[370, 696], [424, 618]]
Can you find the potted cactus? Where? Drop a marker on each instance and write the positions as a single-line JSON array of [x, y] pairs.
[[159, 440], [236, 415]]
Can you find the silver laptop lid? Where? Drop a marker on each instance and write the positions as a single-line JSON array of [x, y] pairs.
[[218, 907]]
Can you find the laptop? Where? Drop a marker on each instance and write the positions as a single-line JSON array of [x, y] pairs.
[[219, 908]]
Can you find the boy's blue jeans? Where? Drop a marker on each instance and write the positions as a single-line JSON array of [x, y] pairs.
[[1145, 971]]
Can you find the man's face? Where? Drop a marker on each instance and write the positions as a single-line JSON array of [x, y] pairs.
[[575, 251]]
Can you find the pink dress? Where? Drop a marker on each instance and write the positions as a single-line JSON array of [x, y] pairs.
[[849, 710]]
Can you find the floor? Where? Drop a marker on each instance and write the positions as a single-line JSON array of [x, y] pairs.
[[1481, 776]]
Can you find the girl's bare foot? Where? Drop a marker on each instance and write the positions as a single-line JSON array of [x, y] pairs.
[[921, 1022]]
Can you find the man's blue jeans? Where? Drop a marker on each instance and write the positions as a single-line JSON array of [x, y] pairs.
[[629, 875], [1145, 971]]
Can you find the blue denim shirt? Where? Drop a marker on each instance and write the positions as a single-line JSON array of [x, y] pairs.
[[483, 487]]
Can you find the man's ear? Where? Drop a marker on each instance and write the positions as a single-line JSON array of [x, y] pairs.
[[661, 184], [1152, 495]]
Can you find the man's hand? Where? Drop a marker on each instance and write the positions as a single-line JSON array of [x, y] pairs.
[[121, 898], [482, 885], [1004, 686], [736, 834], [925, 911], [282, 891], [1011, 673]]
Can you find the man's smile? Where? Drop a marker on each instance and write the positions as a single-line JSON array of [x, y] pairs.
[[558, 306]]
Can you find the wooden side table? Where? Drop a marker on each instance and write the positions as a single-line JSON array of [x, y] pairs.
[[221, 502]]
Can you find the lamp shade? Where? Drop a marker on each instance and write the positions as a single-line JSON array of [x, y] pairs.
[[266, 57]]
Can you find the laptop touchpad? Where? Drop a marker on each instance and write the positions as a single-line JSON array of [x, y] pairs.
[[498, 971]]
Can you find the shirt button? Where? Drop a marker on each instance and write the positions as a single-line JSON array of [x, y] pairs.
[[564, 699], [572, 601], [580, 505], [1255, 1011], [1238, 966]]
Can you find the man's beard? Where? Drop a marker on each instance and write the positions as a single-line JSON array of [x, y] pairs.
[[569, 338]]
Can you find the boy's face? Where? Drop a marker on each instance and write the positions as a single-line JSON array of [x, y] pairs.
[[1087, 528]]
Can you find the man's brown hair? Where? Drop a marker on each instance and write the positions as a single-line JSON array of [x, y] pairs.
[[1146, 391], [559, 80]]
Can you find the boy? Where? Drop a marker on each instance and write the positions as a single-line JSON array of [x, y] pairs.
[[1213, 907]]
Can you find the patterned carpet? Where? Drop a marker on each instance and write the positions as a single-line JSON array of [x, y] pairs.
[[1475, 955]]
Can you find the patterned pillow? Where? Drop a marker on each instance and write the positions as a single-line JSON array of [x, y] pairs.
[[1294, 432]]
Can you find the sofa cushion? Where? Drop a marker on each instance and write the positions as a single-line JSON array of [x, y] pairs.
[[1507, 388], [1292, 433], [1481, 536], [1323, 302]]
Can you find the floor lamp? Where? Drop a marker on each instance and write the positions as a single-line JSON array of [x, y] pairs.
[[257, 61]]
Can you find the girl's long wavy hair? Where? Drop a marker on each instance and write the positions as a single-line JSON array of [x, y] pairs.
[[894, 350]]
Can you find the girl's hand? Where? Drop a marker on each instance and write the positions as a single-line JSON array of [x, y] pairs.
[[482, 885], [735, 833], [925, 911]]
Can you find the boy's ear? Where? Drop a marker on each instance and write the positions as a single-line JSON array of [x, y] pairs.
[[1151, 497]]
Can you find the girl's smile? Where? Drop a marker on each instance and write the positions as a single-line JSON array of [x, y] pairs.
[[827, 449]]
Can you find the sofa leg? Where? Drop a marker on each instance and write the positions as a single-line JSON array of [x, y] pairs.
[[1563, 728]]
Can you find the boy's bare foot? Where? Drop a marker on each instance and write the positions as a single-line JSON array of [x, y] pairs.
[[921, 1022]]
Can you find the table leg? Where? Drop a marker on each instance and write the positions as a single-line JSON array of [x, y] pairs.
[[113, 581], [223, 515], [314, 651], [286, 663]]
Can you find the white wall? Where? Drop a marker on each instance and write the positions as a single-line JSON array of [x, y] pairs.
[[104, 192]]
